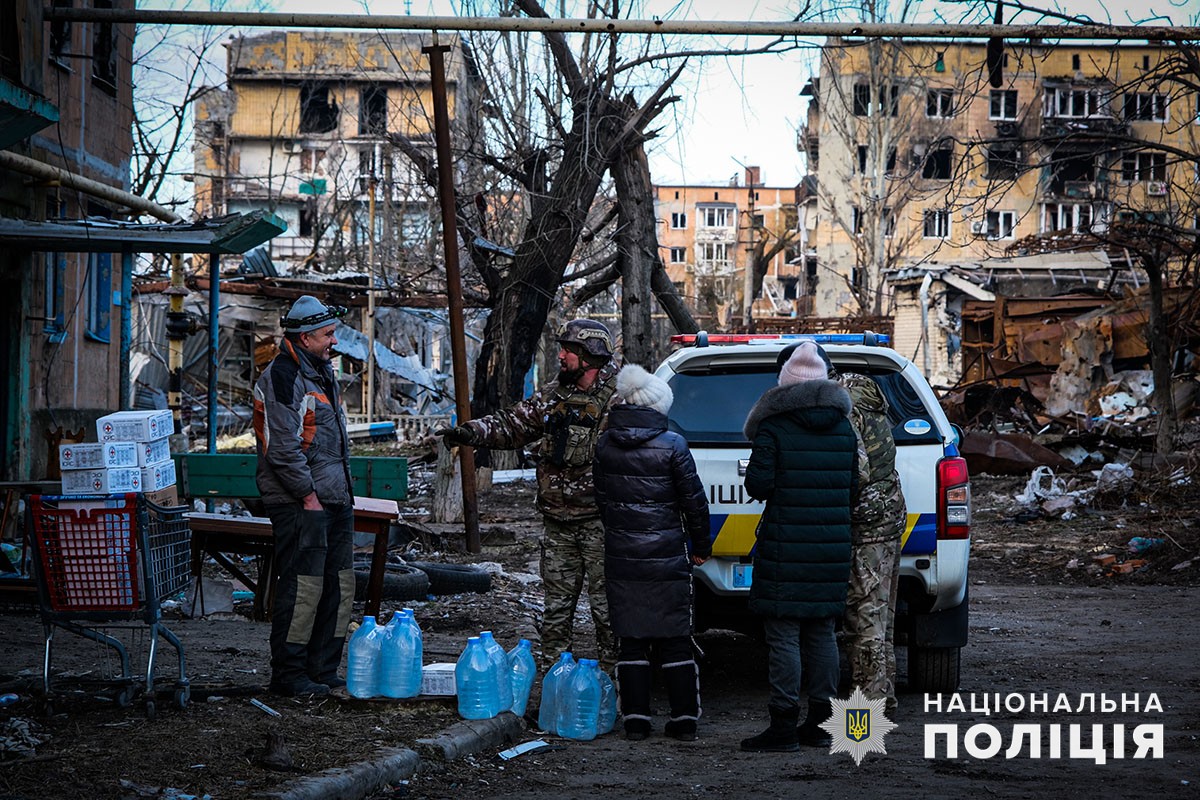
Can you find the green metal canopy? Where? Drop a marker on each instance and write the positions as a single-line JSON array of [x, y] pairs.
[[22, 114], [232, 234]]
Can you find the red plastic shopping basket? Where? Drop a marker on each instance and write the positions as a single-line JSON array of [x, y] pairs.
[[89, 552]]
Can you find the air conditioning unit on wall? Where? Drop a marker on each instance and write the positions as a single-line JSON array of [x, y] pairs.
[[1156, 188], [979, 228]]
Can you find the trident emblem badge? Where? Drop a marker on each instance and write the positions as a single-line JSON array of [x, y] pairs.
[[858, 724]]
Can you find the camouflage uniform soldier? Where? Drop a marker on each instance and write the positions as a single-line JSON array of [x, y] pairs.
[[877, 525], [563, 420]]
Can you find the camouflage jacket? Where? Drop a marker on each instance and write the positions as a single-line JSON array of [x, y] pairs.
[[562, 423], [880, 515]]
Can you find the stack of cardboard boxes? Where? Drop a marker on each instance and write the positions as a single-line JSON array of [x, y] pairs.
[[132, 454]]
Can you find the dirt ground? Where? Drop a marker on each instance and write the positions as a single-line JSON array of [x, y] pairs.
[[1046, 617]]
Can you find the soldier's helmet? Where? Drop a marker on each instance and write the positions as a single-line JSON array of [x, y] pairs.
[[591, 337]]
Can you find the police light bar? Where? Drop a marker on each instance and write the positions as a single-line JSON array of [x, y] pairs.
[[704, 339]]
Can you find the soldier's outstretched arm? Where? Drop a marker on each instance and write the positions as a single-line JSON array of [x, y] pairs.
[[512, 427]]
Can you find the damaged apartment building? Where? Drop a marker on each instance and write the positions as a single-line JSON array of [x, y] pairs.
[[712, 234], [316, 128], [928, 179]]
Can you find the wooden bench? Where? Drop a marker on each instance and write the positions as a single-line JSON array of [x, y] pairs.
[[378, 484]]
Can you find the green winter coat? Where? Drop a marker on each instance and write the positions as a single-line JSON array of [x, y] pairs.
[[880, 514], [804, 464]]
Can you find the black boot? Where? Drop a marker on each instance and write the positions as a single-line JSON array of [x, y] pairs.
[[683, 691], [811, 734], [780, 737], [633, 690]]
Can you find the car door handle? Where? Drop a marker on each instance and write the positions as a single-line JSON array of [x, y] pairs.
[[743, 463]]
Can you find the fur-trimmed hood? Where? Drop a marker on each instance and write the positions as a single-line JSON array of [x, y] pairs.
[[797, 397]]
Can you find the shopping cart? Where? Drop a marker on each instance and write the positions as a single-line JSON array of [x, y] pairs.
[[108, 561]]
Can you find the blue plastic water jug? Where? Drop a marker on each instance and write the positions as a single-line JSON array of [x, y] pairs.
[[522, 670], [499, 662], [388, 645], [579, 702], [414, 656], [401, 659], [363, 659], [475, 682], [608, 704], [548, 710]]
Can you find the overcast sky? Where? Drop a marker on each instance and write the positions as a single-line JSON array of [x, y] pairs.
[[739, 111]]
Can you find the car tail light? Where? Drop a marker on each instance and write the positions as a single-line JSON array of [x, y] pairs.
[[954, 499]]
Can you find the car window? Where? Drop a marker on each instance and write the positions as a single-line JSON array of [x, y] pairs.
[[906, 411], [711, 407]]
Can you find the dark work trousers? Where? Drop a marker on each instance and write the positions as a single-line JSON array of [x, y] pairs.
[[314, 590], [680, 674]]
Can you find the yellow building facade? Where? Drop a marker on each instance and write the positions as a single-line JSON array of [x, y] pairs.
[[306, 128], [918, 158]]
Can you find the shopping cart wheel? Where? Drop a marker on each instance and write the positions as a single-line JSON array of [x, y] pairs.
[[150, 710], [124, 697], [182, 696]]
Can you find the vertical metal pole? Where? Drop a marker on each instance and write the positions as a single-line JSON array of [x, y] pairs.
[[126, 388], [177, 331], [371, 304], [458, 348], [214, 343]]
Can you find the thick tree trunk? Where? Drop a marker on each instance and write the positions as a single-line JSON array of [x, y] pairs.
[[637, 242], [670, 301], [1160, 362], [530, 284]]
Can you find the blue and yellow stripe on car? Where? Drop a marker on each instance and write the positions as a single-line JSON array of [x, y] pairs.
[[733, 534]]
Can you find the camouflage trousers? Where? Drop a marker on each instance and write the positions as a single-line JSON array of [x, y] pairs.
[[571, 552], [870, 618]]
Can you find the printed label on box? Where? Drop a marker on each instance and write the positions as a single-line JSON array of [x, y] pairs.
[[158, 476], [102, 481], [153, 452], [98, 455], [135, 426], [167, 498], [438, 679]]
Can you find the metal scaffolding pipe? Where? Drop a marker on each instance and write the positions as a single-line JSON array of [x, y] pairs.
[[250, 19], [49, 172]]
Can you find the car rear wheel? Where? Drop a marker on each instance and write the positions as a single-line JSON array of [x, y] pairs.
[[934, 669]]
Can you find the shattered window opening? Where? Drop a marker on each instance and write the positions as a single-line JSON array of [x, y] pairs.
[[372, 111], [939, 103], [1001, 224], [1143, 167], [1003, 104], [1146, 106], [318, 112], [104, 51], [937, 223], [938, 163]]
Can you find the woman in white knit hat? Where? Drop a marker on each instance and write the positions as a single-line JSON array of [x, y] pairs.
[[804, 464], [656, 527]]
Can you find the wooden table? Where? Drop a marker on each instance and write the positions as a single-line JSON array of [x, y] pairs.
[[217, 535]]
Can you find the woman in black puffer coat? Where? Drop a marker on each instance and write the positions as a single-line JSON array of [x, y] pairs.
[[656, 527]]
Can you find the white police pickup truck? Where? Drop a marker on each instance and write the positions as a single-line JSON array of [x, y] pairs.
[[717, 378]]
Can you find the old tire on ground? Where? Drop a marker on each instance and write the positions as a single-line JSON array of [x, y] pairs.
[[934, 669], [399, 583], [454, 578]]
